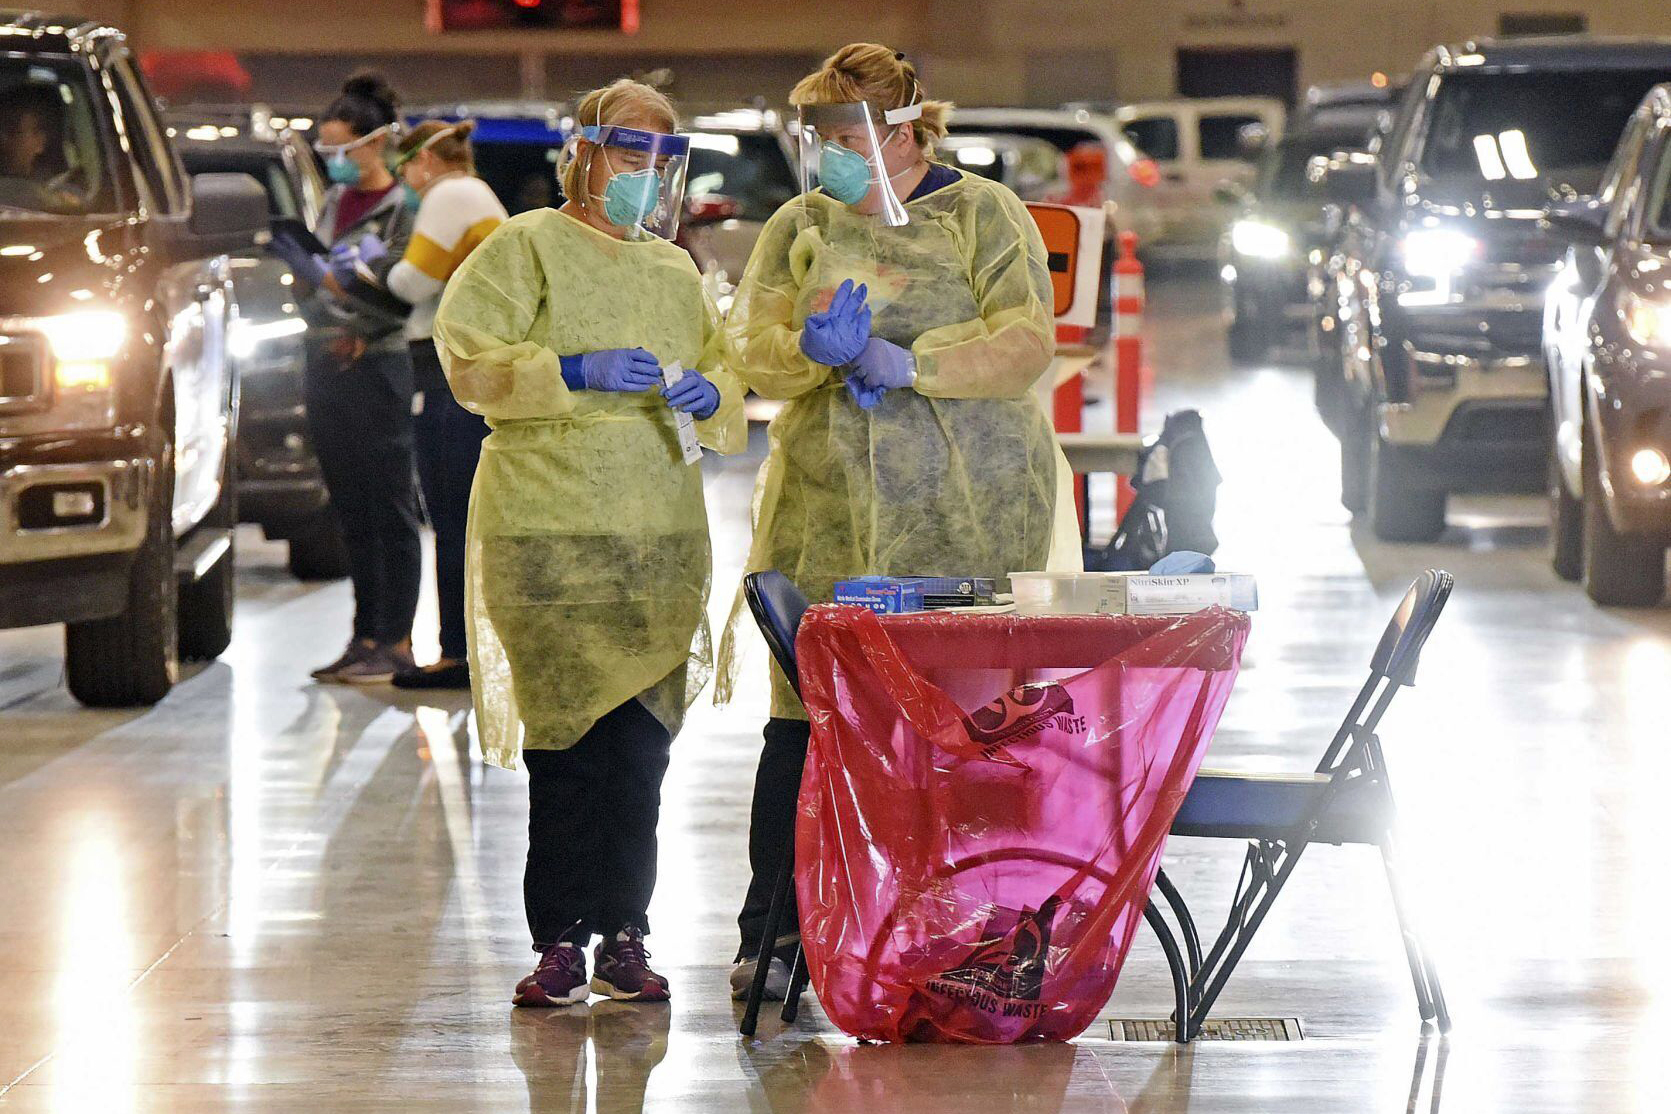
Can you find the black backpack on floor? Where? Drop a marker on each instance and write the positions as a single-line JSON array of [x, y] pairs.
[[1177, 492]]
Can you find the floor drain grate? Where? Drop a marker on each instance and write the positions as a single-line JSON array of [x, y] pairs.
[[1216, 1029]]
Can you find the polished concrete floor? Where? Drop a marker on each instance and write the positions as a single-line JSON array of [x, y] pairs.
[[268, 895]]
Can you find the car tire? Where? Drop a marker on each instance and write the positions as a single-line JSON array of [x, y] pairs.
[[133, 658], [317, 551], [1355, 432], [1249, 340], [1619, 570], [1566, 525], [1401, 507], [1328, 390], [206, 606]]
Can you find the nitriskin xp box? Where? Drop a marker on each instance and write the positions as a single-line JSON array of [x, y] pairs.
[[888, 595]]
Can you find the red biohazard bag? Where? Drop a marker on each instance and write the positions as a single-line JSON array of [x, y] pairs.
[[984, 806]]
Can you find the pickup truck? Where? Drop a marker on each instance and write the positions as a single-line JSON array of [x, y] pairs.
[[1445, 260], [118, 405], [280, 486]]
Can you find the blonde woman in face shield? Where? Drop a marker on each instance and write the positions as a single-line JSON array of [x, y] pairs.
[[587, 559], [902, 309]]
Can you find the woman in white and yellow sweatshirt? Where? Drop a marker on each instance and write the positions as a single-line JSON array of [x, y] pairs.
[[456, 211]]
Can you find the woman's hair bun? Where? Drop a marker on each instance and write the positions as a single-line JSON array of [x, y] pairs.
[[372, 86]]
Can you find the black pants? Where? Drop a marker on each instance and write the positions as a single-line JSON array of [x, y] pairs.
[[771, 827], [592, 812], [360, 419], [449, 443]]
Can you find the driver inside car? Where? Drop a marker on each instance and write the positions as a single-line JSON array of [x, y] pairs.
[[31, 130]]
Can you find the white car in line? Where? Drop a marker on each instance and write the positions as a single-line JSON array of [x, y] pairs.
[[1200, 146]]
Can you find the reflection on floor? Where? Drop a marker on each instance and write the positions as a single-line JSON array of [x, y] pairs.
[[269, 895]]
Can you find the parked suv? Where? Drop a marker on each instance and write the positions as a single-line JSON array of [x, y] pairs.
[[118, 406], [1131, 178], [1279, 234], [1198, 145], [1445, 261], [280, 486], [1607, 341], [741, 170]]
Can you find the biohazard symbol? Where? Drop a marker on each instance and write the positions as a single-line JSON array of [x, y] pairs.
[[1009, 959]]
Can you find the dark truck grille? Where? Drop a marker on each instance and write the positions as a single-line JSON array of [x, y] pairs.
[[23, 366]]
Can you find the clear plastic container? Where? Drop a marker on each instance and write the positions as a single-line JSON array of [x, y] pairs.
[[1059, 593]]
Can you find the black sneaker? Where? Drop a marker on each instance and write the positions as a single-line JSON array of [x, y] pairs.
[[359, 649], [448, 673]]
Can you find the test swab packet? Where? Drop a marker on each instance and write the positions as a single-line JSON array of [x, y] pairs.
[[683, 422]]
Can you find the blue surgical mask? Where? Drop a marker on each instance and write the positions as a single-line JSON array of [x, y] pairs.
[[631, 197], [343, 170], [845, 175]]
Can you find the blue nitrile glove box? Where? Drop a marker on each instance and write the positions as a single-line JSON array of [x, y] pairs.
[[889, 595]]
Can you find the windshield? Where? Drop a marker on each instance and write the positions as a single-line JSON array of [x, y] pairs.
[[524, 175], [1558, 128], [1659, 200], [749, 168], [51, 155], [1282, 174]]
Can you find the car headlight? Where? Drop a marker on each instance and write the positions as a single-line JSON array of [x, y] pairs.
[[1258, 240], [1438, 252], [248, 336], [83, 344], [1647, 321]]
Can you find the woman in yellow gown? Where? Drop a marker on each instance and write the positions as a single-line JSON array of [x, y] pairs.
[[903, 312]]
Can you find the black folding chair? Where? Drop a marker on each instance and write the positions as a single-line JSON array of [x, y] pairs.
[[1348, 798], [778, 607]]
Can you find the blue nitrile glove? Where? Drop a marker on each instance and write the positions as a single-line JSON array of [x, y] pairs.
[[886, 365], [372, 248], [693, 394], [367, 249], [342, 269], [613, 369], [837, 336], [309, 268], [868, 398], [1183, 562]]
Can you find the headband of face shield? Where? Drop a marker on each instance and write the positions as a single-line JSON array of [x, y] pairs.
[[338, 166], [645, 192], [422, 147], [841, 152]]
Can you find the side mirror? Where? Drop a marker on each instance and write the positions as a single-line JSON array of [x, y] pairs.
[[1346, 178], [711, 208], [1252, 139], [1583, 221], [228, 215], [1229, 192]]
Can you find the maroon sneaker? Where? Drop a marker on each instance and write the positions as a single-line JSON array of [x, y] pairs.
[[559, 980], [622, 970]]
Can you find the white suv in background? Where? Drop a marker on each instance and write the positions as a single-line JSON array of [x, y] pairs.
[[1131, 178], [1199, 145]]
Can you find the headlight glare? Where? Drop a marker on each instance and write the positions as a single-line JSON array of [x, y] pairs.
[[1650, 467], [83, 343], [1436, 252], [1647, 322], [85, 335], [1258, 240]]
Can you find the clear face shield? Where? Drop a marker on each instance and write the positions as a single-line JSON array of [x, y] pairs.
[[645, 190], [841, 150]]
